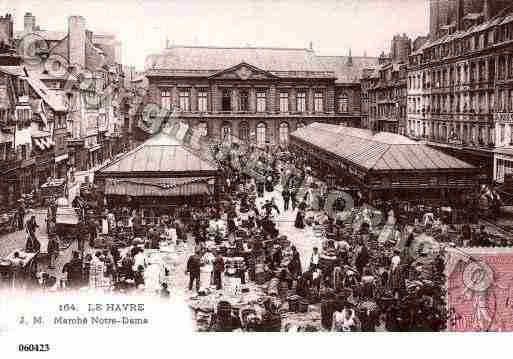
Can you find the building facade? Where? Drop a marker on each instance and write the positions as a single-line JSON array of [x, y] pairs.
[[83, 69], [459, 97], [255, 95]]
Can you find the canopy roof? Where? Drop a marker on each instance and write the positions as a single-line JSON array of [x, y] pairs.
[[377, 151], [160, 154]]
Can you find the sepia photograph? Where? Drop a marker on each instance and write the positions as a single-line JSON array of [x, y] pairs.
[[255, 166]]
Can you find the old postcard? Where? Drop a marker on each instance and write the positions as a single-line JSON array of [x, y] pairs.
[[176, 167]]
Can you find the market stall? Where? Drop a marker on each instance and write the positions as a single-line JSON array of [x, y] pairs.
[[160, 173], [382, 165]]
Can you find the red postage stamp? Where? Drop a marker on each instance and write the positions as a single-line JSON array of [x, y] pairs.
[[480, 289]]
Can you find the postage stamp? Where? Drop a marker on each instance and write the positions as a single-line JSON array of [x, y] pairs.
[[480, 289]]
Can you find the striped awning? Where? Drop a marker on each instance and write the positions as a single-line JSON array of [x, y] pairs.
[[159, 187]]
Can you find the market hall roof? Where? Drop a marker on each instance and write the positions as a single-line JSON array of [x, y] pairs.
[[282, 62], [381, 151], [160, 154]]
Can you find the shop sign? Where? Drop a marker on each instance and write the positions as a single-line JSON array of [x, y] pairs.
[[504, 117]]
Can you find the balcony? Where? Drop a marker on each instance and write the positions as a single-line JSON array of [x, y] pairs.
[[11, 162]]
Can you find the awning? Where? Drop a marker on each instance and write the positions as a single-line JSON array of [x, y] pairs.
[[6, 137], [159, 187], [94, 148], [61, 158], [40, 144]]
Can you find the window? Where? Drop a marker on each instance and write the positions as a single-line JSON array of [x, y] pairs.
[[227, 100], [184, 100], [226, 133], [284, 102], [243, 100], [301, 102], [203, 128], [284, 133], [343, 103], [502, 133], [318, 102], [244, 131], [261, 134], [24, 116], [261, 101], [165, 99], [202, 101]]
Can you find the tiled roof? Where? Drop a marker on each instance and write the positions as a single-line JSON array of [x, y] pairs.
[[161, 153], [220, 58], [347, 73], [377, 151], [207, 61]]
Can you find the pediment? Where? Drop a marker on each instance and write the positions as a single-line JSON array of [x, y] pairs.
[[243, 71]]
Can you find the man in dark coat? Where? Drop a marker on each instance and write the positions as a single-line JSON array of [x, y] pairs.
[[362, 258], [218, 271], [73, 270], [286, 198], [193, 268]]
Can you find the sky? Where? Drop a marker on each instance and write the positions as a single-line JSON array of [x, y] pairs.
[[333, 26]]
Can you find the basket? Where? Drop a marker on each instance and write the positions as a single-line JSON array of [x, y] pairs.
[[293, 301]]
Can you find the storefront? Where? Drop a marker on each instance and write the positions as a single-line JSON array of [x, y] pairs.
[[61, 165]]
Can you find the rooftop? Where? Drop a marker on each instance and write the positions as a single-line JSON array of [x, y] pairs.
[[161, 153], [380, 151], [208, 60]]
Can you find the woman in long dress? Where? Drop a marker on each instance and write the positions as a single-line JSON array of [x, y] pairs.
[[300, 219]]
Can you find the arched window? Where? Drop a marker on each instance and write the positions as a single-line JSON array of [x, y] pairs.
[[244, 131], [284, 133], [203, 128], [343, 103], [301, 124], [261, 134], [226, 132]]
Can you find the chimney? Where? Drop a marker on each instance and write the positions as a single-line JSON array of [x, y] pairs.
[[76, 41], [434, 18], [349, 59], [311, 45], [486, 10], [6, 29], [89, 35], [459, 15], [29, 22]]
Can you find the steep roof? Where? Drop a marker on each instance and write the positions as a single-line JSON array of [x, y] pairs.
[[347, 71], [381, 151], [219, 58], [53, 98], [209, 60], [161, 153]]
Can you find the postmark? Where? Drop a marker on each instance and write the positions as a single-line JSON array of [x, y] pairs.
[[480, 289]]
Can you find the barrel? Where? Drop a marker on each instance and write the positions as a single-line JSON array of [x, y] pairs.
[[303, 306], [293, 301], [224, 309], [260, 278], [259, 268]]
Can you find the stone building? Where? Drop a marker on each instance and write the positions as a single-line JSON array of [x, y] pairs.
[[253, 94], [459, 92], [83, 69], [384, 88]]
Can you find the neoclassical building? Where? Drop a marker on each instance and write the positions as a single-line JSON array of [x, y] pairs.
[[256, 95]]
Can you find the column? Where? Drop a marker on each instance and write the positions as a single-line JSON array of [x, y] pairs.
[[310, 100], [331, 100], [214, 98], [252, 100], [292, 100], [174, 96], [234, 93], [487, 70], [272, 100], [194, 99]]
